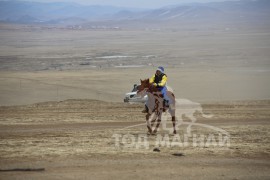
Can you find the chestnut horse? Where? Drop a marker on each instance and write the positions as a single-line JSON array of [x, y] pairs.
[[156, 105]]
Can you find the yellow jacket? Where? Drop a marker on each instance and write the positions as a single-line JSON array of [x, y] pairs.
[[161, 83]]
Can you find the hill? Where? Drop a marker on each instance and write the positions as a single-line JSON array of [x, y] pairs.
[[238, 12]]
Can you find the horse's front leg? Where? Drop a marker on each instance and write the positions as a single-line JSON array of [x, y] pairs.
[[158, 122], [153, 122], [149, 127]]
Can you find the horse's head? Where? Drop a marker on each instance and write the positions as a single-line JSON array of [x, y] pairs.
[[143, 86], [146, 85]]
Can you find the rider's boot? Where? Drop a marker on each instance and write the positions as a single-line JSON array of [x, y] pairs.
[[166, 103], [145, 109]]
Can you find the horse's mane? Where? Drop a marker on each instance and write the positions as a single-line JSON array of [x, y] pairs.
[[145, 80], [149, 85]]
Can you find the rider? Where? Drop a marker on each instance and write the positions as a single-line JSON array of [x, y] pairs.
[[159, 80]]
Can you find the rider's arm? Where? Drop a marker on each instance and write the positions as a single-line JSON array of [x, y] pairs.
[[163, 81], [152, 79]]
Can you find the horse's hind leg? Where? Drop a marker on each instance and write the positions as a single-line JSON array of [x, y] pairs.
[[172, 112], [173, 122], [149, 127]]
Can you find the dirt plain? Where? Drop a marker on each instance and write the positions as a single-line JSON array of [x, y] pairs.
[[61, 96], [74, 139]]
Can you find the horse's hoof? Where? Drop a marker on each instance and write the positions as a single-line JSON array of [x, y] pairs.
[[144, 111]]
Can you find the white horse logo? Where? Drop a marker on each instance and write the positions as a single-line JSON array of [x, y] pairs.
[[184, 108]]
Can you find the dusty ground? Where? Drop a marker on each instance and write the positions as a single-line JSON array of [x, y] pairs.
[[73, 139]]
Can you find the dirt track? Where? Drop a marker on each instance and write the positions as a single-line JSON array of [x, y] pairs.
[[73, 139]]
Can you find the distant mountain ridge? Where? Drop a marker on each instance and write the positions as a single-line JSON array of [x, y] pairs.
[[42, 12], [72, 13]]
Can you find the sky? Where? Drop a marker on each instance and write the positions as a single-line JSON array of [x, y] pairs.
[[131, 3]]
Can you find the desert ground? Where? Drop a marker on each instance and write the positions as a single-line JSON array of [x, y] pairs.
[[61, 97]]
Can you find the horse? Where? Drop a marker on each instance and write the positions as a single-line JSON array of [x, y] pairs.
[[156, 105]]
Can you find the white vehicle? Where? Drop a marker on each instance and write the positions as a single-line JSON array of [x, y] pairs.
[[133, 97]]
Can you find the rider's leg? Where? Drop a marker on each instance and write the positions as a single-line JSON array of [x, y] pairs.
[[164, 93]]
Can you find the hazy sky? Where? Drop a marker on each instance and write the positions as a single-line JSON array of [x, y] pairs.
[[131, 3]]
